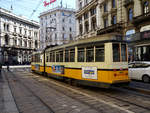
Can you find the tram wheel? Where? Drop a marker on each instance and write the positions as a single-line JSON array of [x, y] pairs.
[[146, 78]]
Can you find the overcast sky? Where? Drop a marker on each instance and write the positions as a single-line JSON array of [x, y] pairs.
[[26, 7]]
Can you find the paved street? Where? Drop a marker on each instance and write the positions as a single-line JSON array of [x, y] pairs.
[[25, 92]]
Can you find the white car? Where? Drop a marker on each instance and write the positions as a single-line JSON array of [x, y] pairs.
[[140, 71]]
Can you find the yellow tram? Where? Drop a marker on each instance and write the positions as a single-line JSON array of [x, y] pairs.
[[98, 61]]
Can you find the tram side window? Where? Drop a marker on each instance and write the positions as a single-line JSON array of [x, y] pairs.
[[61, 56], [116, 52], [72, 55], [90, 54], [81, 55], [66, 56], [53, 58], [99, 54], [123, 52], [47, 58], [57, 57]]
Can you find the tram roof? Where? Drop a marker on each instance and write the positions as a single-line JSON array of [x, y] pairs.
[[97, 39]]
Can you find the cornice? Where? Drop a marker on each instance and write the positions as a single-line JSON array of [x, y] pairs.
[[88, 6], [10, 15]]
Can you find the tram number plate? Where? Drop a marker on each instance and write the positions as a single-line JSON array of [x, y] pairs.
[[89, 72]]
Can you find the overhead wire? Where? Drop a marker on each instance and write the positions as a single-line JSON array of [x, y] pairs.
[[40, 1]]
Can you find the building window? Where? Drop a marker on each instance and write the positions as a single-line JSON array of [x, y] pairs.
[[86, 16], [63, 28], [7, 27], [63, 36], [86, 26], [105, 7], [36, 44], [35, 34], [29, 33], [93, 11], [80, 5], [70, 21], [63, 20], [80, 29], [15, 42], [20, 31], [105, 23], [114, 19], [130, 14], [70, 36], [4, 27], [145, 7], [15, 29], [70, 29], [55, 36], [113, 3], [86, 1], [6, 40], [25, 32], [93, 23]]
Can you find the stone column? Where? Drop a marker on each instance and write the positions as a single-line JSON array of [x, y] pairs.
[[98, 16], [90, 22], [83, 25]]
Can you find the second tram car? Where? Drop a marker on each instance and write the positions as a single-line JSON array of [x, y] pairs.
[[98, 61]]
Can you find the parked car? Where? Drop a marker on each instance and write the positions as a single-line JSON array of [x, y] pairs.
[[140, 71]]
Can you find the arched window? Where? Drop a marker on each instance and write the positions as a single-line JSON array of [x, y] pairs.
[[145, 7], [130, 14]]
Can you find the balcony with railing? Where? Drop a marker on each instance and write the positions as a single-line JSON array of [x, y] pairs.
[[113, 28], [141, 18]]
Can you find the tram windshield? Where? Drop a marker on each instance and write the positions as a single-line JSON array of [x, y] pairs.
[[119, 52]]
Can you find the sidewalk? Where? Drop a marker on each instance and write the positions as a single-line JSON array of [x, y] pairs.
[[7, 103]]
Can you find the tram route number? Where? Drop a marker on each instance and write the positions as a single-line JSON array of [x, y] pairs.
[[89, 72]]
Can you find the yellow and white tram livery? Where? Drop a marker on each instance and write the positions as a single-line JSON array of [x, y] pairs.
[[98, 61]]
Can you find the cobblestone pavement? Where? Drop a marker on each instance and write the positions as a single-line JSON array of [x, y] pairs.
[[34, 94]]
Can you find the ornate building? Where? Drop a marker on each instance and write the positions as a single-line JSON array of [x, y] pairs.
[[97, 17], [123, 17], [57, 26], [19, 37]]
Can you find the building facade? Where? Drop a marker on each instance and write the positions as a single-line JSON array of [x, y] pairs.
[[98, 17], [19, 37], [123, 17], [57, 26]]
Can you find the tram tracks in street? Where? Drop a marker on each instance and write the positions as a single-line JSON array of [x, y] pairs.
[[128, 104], [100, 106], [13, 79], [140, 90]]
